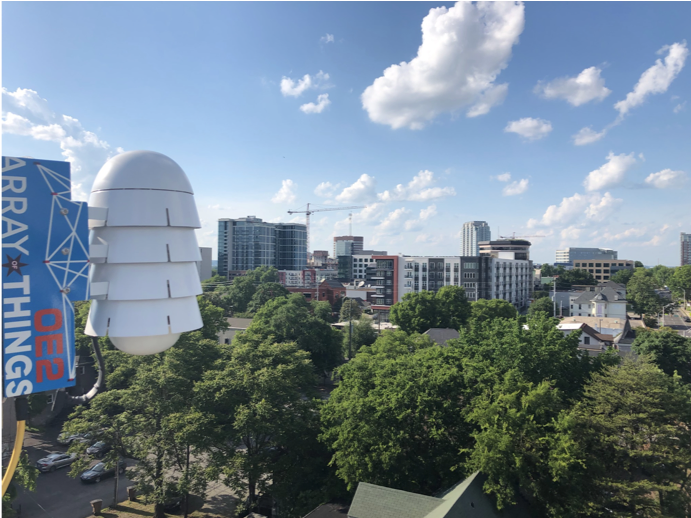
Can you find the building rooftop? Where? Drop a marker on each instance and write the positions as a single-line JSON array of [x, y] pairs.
[[441, 335], [606, 294]]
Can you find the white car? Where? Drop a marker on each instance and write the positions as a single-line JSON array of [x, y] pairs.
[[55, 461]]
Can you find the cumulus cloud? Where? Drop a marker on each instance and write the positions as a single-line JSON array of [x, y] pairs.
[[286, 194], [418, 189], [429, 212], [529, 128], [394, 221], [322, 102], [585, 87], [27, 114], [611, 173], [291, 88], [593, 206], [329, 38], [362, 190], [504, 177], [326, 189], [666, 179], [464, 48], [587, 136], [656, 79], [514, 188]]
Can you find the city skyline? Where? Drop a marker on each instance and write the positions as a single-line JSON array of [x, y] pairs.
[[575, 127]]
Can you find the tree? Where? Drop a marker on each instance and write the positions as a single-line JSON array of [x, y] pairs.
[[622, 277], [264, 293], [25, 476], [214, 282], [322, 310], [638, 264], [667, 350], [681, 281], [483, 310], [363, 334], [397, 417], [626, 447], [288, 319], [258, 412], [547, 270], [544, 305], [640, 293], [420, 311], [453, 308], [662, 275], [569, 278], [350, 310]]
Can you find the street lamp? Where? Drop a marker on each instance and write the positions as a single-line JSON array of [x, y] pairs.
[[143, 251]]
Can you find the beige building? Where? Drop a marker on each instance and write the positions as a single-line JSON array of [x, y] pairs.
[[603, 269]]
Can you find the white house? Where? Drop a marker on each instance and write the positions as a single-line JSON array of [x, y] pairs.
[[606, 300]]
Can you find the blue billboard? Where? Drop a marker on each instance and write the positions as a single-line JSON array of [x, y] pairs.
[[45, 269]]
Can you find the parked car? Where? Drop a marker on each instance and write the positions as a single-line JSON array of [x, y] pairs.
[[99, 449], [65, 439], [55, 461], [99, 471]]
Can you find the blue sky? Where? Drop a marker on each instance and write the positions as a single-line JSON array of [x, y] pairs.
[[564, 120]]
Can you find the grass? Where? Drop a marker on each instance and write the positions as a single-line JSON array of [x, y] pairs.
[[129, 509]]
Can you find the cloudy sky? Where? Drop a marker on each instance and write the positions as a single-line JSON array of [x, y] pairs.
[[568, 121]]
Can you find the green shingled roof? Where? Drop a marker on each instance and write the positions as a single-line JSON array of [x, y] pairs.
[[372, 501]]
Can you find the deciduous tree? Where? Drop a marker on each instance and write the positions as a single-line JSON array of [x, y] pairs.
[[483, 310]]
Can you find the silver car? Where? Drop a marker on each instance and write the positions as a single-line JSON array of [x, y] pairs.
[[55, 461]]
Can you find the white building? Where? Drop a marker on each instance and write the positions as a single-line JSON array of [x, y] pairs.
[[473, 233], [606, 300]]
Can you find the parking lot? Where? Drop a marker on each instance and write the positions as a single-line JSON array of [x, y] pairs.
[[57, 494]]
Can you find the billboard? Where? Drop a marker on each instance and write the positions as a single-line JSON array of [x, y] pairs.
[[45, 270]]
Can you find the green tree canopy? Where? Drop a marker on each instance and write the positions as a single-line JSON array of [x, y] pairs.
[[569, 278], [625, 449], [622, 276], [681, 281], [544, 305], [640, 293], [264, 293], [322, 310], [483, 310], [638, 264], [289, 319], [350, 310], [662, 275], [420, 311], [668, 350], [363, 334]]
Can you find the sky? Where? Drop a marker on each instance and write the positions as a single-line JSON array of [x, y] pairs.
[[567, 122]]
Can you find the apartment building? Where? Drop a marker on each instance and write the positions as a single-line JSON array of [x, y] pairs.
[[348, 245], [685, 249], [603, 270], [473, 233], [483, 277], [248, 243], [361, 261]]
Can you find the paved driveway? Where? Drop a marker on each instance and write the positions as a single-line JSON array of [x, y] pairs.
[[57, 494]]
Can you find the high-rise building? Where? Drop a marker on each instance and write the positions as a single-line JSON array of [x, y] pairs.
[[348, 245], [473, 233], [506, 249], [248, 243], [568, 255], [685, 248]]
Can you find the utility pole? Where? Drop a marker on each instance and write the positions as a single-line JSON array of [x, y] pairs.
[[554, 294], [350, 328]]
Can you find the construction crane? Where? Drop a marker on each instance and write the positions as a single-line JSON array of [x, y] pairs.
[[514, 236], [312, 211]]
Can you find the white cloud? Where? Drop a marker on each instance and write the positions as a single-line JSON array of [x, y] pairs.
[[464, 48], [504, 177], [679, 107], [329, 38], [326, 189], [362, 190], [610, 173], [587, 136], [286, 193], [418, 189], [571, 233], [26, 113], [666, 179], [514, 188], [579, 206], [322, 102], [585, 87], [529, 128], [291, 88], [657, 78], [393, 221], [429, 212]]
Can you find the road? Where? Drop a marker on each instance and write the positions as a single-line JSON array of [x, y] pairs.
[[57, 494], [676, 321]]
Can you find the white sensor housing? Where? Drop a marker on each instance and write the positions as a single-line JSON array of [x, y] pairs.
[[143, 277]]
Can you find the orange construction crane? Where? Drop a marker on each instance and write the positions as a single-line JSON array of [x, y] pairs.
[[312, 211]]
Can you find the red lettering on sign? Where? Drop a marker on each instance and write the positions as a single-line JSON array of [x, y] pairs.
[[38, 320], [44, 365], [48, 340]]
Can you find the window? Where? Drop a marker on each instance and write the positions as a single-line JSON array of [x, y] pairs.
[[598, 271], [586, 340], [590, 265], [227, 340], [606, 265], [598, 265], [579, 306]]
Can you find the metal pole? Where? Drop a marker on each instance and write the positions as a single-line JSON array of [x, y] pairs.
[[350, 328]]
